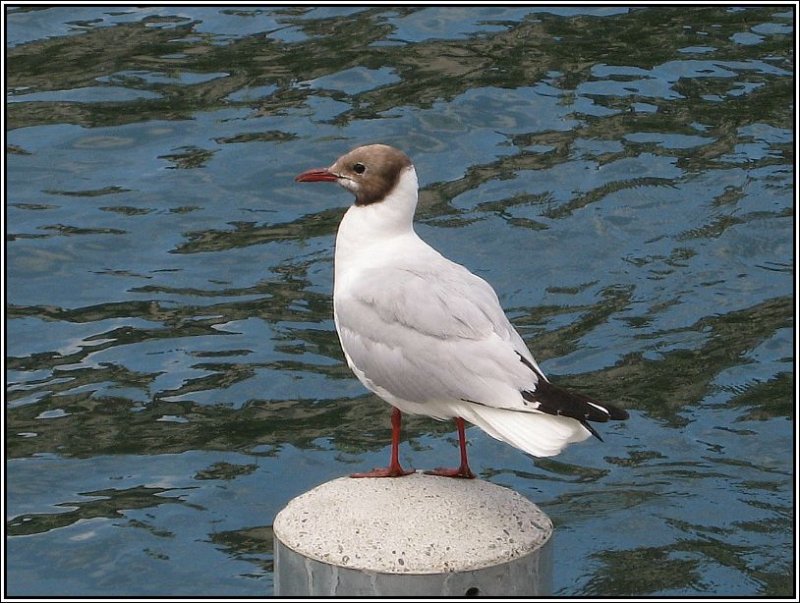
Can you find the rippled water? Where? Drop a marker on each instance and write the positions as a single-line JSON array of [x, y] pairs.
[[623, 177]]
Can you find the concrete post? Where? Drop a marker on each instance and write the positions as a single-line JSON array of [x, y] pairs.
[[418, 535]]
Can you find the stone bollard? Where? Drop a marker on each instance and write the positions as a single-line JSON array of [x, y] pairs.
[[418, 535]]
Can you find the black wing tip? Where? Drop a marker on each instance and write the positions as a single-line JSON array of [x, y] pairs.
[[556, 400], [616, 414], [559, 401], [592, 430], [609, 412]]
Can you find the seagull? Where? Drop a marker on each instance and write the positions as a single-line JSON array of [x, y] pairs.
[[427, 335]]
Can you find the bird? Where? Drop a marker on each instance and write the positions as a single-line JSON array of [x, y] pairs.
[[427, 335]]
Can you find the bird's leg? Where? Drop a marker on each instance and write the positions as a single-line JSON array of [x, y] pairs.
[[394, 469], [463, 470]]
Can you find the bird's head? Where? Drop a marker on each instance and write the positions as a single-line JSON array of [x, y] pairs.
[[370, 172]]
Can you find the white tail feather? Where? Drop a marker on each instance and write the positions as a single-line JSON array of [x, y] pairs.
[[538, 434]]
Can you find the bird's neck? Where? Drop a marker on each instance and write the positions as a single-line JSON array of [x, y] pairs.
[[364, 226]]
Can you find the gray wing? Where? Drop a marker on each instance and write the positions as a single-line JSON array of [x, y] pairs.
[[433, 332]]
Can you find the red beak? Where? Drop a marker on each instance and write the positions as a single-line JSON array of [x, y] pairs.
[[316, 175]]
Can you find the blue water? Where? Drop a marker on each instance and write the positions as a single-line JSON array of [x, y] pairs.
[[623, 177]]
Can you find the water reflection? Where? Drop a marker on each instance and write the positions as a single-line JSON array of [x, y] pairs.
[[109, 504], [623, 176]]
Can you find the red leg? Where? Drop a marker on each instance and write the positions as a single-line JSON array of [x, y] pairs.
[[394, 469], [463, 470]]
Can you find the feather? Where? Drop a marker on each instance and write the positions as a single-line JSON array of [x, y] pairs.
[[538, 434], [426, 334]]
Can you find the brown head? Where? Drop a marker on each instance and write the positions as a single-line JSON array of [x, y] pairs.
[[369, 172]]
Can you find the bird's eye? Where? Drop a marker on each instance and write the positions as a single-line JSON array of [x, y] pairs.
[[359, 168]]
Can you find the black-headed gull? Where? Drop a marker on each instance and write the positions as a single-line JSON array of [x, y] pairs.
[[427, 335]]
